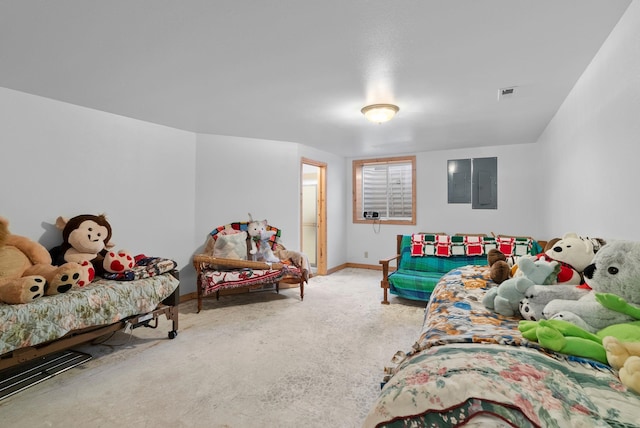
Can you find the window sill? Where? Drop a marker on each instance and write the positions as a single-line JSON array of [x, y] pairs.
[[382, 221]]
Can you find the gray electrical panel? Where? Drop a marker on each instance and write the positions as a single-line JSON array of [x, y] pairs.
[[484, 183], [459, 181]]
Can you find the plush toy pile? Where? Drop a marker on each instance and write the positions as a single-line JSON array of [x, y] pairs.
[[572, 253], [29, 271], [604, 323], [505, 298], [26, 271]]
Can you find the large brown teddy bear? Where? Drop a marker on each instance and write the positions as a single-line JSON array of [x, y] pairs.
[[26, 272]]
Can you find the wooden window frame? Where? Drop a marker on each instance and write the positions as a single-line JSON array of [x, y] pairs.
[[357, 189]]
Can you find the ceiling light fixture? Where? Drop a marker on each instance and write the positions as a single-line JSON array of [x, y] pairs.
[[379, 113]]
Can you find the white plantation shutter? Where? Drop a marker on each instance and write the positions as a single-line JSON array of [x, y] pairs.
[[387, 189]]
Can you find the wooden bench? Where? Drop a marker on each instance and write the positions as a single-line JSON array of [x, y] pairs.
[[215, 274]]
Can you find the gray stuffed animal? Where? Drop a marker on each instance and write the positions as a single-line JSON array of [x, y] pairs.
[[538, 296], [505, 298], [615, 269]]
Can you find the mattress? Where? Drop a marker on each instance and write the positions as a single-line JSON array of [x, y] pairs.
[[100, 303]]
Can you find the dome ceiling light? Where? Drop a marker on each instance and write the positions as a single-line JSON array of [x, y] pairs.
[[379, 113]]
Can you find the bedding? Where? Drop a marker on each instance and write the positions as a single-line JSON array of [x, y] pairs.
[[144, 267], [102, 302], [214, 280], [469, 363]]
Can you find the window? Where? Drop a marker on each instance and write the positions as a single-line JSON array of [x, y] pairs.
[[386, 186]]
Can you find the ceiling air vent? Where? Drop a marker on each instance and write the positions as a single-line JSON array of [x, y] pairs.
[[506, 93]]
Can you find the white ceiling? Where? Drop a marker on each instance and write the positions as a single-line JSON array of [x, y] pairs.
[[300, 71]]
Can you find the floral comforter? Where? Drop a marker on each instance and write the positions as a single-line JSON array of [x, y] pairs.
[[469, 361], [102, 302]]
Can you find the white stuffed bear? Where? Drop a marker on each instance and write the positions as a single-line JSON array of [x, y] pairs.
[[616, 270], [260, 246], [574, 254]]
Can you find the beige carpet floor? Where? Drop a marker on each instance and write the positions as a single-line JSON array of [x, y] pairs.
[[250, 360]]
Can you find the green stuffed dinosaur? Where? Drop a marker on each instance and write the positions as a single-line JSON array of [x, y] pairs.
[[617, 345]]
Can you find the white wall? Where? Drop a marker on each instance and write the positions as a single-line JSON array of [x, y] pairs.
[[519, 201], [236, 176], [62, 159], [591, 145]]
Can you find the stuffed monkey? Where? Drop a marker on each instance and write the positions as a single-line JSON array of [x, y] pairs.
[[87, 240]]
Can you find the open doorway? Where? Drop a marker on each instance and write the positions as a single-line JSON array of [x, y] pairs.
[[313, 234]]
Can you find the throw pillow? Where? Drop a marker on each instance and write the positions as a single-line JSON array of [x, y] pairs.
[[233, 246]]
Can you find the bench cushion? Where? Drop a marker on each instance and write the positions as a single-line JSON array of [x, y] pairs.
[[414, 285]]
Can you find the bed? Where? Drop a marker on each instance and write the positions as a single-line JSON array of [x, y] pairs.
[[472, 367], [53, 323]]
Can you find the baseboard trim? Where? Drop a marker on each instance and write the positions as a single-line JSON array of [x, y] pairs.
[[188, 296], [337, 268], [364, 266], [357, 266]]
